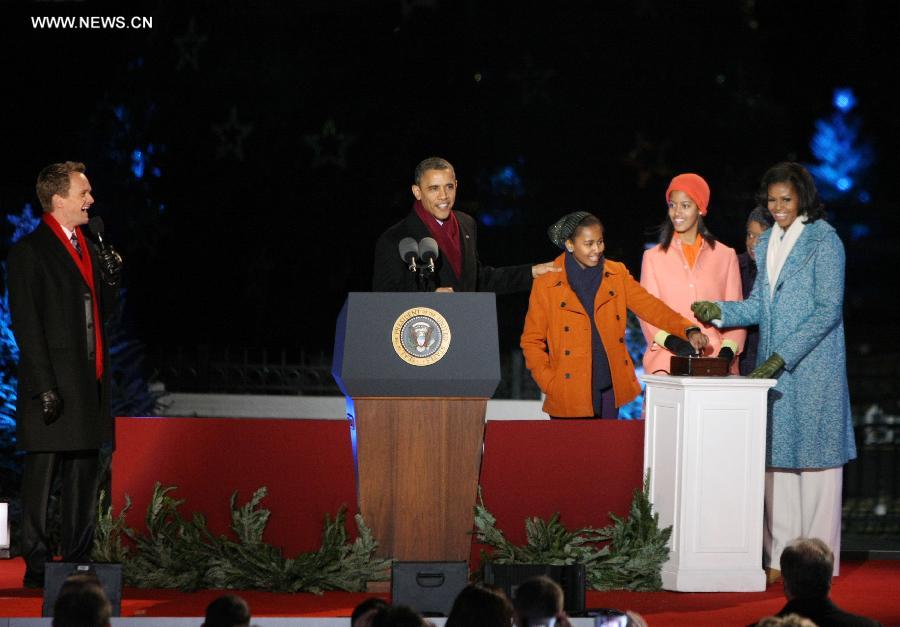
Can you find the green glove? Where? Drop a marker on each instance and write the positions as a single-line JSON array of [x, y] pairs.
[[768, 368], [706, 310]]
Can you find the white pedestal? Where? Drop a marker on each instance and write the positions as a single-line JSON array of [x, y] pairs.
[[705, 447]]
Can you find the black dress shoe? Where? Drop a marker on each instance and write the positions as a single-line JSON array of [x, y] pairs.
[[33, 580]]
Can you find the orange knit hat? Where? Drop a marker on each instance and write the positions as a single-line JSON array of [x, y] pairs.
[[694, 186]]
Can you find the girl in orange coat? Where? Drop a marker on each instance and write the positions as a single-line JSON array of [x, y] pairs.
[[688, 265], [580, 361]]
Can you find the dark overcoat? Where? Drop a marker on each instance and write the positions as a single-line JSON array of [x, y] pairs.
[[747, 359], [391, 274], [49, 304]]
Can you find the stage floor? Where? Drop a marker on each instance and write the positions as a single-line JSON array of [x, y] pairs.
[[308, 468], [868, 588]]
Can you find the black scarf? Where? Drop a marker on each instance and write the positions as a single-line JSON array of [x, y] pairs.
[[585, 282]]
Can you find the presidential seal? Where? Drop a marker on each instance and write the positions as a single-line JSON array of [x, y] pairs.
[[421, 336]]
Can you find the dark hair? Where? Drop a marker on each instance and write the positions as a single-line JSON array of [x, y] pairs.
[[398, 616], [54, 179], [372, 603], [799, 177], [81, 603], [788, 620], [588, 220], [480, 605], [807, 565], [762, 216], [667, 232], [431, 163], [538, 597], [229, 610]]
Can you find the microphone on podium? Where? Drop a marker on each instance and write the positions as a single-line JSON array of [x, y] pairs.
[[428, 251], [409, 252]]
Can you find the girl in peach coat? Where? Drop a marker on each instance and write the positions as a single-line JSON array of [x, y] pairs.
[[689, 265]]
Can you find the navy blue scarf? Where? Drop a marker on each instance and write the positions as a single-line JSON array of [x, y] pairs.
[[585, 282]]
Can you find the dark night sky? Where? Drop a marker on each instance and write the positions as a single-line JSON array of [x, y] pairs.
[[267, 223]]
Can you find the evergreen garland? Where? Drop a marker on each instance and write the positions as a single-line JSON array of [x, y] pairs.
[[179, 553], [632, 558]]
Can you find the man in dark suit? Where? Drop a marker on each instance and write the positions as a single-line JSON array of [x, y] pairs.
[[806, 566], [62, 288], [758, 222], [457, 269]]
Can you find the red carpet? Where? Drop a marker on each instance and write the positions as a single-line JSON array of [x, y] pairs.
[[583, 469], [871, 588]]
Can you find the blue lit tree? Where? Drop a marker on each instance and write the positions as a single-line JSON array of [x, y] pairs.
[[23, 223], [843, 157], [636, 344], [124, 149], [507, 192]]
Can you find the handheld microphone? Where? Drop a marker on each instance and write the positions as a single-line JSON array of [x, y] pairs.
[[428, 251], [95, 224], [409, 251]]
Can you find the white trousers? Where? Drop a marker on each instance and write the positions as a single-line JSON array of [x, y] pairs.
[[802, 503]]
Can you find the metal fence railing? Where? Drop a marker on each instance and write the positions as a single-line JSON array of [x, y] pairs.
[[244, 371], [260, 371], [871, 481]]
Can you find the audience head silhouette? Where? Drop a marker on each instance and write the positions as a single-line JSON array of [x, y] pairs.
[[537, 600], [806, 566], [82, 603], [791, 620], [480, 605], [228, 611], [364, 612], [398, 616]]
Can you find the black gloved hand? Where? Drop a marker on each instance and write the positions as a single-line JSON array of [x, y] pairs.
[[678, 346], [51, 406], [110, 265], [726, 353]]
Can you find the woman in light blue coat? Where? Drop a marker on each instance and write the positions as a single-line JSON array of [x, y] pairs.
[[797, 301]]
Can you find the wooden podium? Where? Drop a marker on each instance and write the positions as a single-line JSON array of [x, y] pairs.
[[705, 448], [417, 370]]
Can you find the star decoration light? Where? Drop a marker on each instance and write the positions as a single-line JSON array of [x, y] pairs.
[[24, 223], [231, 136], [329, 146], [188, 46]]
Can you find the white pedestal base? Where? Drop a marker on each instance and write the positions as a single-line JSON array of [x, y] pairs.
[[705, 445], [753, 580]]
